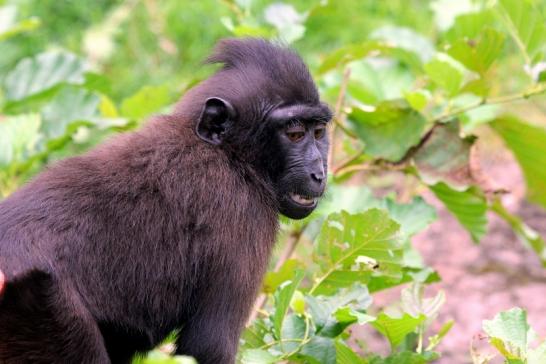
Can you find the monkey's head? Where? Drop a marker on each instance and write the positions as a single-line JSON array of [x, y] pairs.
[[263, 109]]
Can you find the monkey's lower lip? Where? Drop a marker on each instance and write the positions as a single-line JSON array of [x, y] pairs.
[[303, 200]]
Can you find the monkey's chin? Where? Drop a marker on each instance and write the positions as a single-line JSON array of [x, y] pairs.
[[297, 207]]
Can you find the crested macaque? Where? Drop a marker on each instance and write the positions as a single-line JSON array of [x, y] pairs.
[[166, 228]]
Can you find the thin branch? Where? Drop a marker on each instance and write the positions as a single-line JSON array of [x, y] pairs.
[[338, 114], [493, 101]]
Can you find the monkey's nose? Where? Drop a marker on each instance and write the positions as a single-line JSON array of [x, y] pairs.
[[318, 177]]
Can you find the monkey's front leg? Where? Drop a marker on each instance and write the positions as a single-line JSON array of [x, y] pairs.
[[212, 334]]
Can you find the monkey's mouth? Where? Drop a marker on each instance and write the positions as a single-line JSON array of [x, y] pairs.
[[303, 200]]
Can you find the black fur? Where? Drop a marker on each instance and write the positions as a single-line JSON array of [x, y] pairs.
[[106, 253]]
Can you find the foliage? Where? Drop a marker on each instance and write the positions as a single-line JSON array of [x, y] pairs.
[[412, 87]]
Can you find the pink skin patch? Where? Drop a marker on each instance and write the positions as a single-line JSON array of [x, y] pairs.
[[2, 280]]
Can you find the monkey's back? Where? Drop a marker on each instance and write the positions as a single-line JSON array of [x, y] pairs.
[[136, 233]]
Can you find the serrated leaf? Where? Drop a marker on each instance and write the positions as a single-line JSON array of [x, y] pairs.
[[529, 146], [446, 73], [283, 296], [478, 55], [509, 332], [345, 237], [258, 356], [389, 130], [147, 100], [527, 26], [469, 207], [395, 329], [19, 136], [445, 157], [38, 74]]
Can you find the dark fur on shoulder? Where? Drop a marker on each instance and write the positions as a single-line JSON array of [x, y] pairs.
[[106, 253]]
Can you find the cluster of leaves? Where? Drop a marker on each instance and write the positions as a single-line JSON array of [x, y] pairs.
[[52, 105], [404, 105]]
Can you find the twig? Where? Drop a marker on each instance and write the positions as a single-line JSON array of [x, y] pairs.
[[493, 101], [338, 112]]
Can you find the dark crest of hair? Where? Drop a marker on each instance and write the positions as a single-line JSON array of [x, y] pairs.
[[284, 69]]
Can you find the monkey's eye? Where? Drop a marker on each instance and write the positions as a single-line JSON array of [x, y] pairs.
[[320, 131], [295, 132]]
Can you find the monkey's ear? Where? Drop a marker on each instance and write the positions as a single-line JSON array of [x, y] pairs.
[[215, 118]]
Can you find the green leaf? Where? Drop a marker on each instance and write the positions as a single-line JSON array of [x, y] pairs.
[[19, 136], [478, 55], [469, 207], [445, 157], [319, 350], [158, 357], [413, 217], [389, 130], [38, 74], [332, 315], [348, 54], [283, 296], [446, 73], [418, 99], [345, 355], [273, 280], [293, 332], [406, 39], [69, 105], [527, 26], [23, 26], [348, 243], [509, 332], [406, 357], [395, 329], [148, 100], [529, 146], [255, 335], [469, 26], [258, 356]]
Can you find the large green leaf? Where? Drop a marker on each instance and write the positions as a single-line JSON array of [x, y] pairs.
[[19, 137], [470, 26], [362, 242], [478, 55], [527, 26], [389, 130], [38, 74], [395, 329], [445, 157], [469, 207], [529, 146]]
